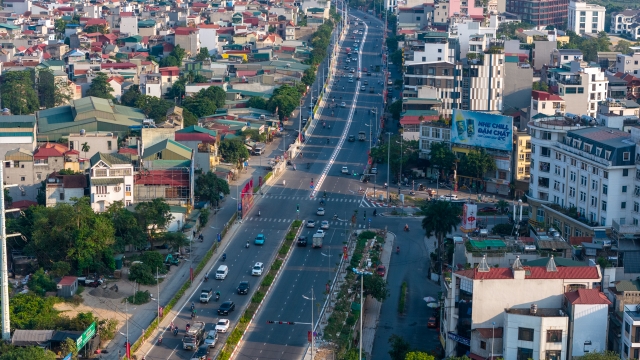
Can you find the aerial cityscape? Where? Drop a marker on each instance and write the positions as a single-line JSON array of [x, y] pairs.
[[320, 180]]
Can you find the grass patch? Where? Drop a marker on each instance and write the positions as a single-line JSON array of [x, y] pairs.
[[277, 264], [257, 297], [79, 290], [268, 280], [403, 298]]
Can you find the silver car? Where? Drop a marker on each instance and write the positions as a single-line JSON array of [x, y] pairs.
[[211, 339], [320, 212]]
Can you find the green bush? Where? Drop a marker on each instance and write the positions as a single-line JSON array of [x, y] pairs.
[[268, 280], [139, 298], [296, 224], [154, 260], [235, 336], [142, 274], [39, 282], [367, 235], [204, 216], [268, 176], [403, 298], [257, 297], [284, 250]]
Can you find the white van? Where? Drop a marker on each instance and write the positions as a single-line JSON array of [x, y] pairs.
[[451, 197], [222, 272]]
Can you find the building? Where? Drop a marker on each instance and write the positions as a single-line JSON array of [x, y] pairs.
[[630, 332], [169, 75], [17, 131], [559, 57], [581, 177], [581, 86], [585, 18], [629, 64], [188, 39], [545, 103], [474, 37], [128, 24], [90, 114], [618, 114], [479, 84], [521, 161], [617, 88], [165, 171], [435, 80], [204, 142], [433, 132], [151, 85], [67, 286], [64, 188], [518, 81], [588, 311], [93, 142], [540, 13], [528, 319], [431, 47], [110, 180], [626, 23]]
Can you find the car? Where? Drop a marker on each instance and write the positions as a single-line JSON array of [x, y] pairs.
[[360, 32], [302, 241], [201, 353], [366, 82], [324, 225], [355, 51], [243, 288], [363, 88], [343, 104], [350, 80], [211, 339], [381, 270], [489, 209], [353, 37], [374, 170], [320, 211], [345, 170], [352, 138], [352, 70], [259, 239], [368, 73], [311, 223], [258, 268], [432, 322], [346, 67], [226, 307], [350, 76], [320, 231], [222, 325]]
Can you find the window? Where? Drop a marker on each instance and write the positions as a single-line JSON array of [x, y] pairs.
[[483, 345], [572, 191], [101, 190], [553, 354], [626, 156], [558, 156], [108, 145], [572, 176], [525, 354], [636, 206], [525, 334], [636, 191], [22, 178], [573, 162], [583, 196], [625, 172], [39, 176], [594, 201], [583, 180], [605, 174], [545, 135], [594, 185], [623, 205], [554, 336], [556, 170], [604, 205], [61, 196]]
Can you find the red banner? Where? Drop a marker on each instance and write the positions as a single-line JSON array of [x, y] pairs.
[[128, 350], [191, 274]]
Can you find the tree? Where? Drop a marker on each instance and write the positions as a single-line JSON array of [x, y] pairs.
[[508, 29], [285, 99], [502, 206], [127, 231], [85, 148], [272, 29], [203, 54], [392, 43], [418, 355], [376, 287], [18, 93], [199, 106], [8, 200], [255, 135], [60, 25], [440, 218], [588, 46], [209, 187], [257, 102], [233, 151], [309, 76], [32, 312], [142, 274], [396, 57], [399, 347], [442, 157], [9, 352], [175, 240], [606, 355], [53, 91], [174, 58], [69, 346], [100, 87], [540, 86], [131, 96], [623, 46], [396, 109], [477, 163], [40, 283], [102, 29], [153, 216], [153, 107], [60, 269]]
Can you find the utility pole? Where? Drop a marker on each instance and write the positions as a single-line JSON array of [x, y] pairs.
[[4, 271], [126, 310], [312, 337], [361, 311], [388, 167]]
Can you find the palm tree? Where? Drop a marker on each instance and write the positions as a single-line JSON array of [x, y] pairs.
[[441, 218], [85, 149], [502, 206]]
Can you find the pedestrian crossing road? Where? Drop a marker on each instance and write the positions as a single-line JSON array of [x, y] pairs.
[[360, 202], [340, 222]]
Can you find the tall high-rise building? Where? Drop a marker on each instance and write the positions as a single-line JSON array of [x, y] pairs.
[[540, 12]]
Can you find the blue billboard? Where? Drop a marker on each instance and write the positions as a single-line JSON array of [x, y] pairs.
[[481, 129]]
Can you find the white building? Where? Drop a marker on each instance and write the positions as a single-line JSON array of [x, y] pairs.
[[524, 304], [209, 37], [626, 23], [629, 63], [630, 332], [479, 82], [545, 103], [111, 179], [582, 176], [103, 142], [585, 18], [581, 86], [151, 85], [618, 114], [128, 24], [469, 32], [588, 311], [64, 188]]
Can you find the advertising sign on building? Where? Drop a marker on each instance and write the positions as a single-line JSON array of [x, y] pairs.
[[481, 129], [469, 217]]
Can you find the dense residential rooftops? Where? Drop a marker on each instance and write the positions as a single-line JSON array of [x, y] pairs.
[[533, 272]]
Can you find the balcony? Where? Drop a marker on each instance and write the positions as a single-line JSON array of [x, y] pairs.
[[570, 81], [543, 183], [544, 167], [572, 213]]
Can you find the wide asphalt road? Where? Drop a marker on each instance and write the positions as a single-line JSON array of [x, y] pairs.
[[313, 268]]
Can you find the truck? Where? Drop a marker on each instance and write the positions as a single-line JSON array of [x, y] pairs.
[[317, 240], [371, 89], [205, 295], [362, 136], [193, 338]]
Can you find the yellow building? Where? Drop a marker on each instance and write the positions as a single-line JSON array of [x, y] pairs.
[[521, 161]]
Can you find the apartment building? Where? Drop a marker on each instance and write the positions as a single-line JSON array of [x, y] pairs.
[[188, 39], [434, 78], [618, 114], [585, 18], [518, 81], [479, 84], [582, 87], [545, 103], [540, 12], [433, 132], [110, 179], [64, 189], [629, 63], [473, 36], [522, 156], [531, 317], [430, 47], [581, 177], [626, 23]]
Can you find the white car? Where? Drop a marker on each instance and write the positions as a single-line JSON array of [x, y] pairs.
[[257, 270], [343, 104], [320, 211], [345, 170], [355, 51], [211, 339], [222, 326], [324, 225], [311, 223], [350, 80], [320, 231]]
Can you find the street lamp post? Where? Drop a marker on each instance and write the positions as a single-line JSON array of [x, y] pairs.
[[312, 337], [493, 338], [388, 167]]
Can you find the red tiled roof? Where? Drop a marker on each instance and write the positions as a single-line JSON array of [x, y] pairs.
[[50, 150], [578, 240], [534, 272], [93, 21], [67, 280], [587, 297], [163, 177], [415, 120], [185, 31], [131, 151], [117, 66], [126, 14], [545, 96], [23, 204]]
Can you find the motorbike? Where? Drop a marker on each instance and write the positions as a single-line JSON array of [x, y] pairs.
[[206, 278], [375, 212], [335, 217], [175, 331], [398, 250], [406, 228], [308, 165], [412, 192], [247, 245], [217, 297], [160, 340], [224, 257], [294, 166]]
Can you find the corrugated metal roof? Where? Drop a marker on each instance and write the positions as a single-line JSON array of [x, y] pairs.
[[107, 181], [12, 121], [19, 154], [170, 145], [111, 159]]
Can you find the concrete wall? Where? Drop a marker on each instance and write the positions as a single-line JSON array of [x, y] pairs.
[[541, 52], [517, 85], [589, 324], [539, 344]]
